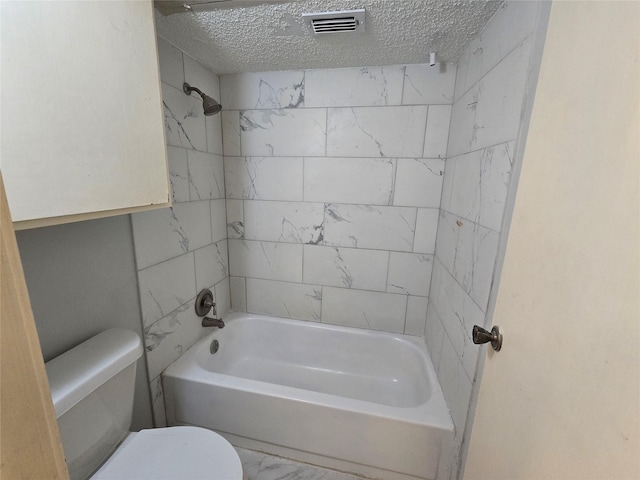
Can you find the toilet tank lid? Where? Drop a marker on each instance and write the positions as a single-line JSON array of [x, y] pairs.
[[79, 371]]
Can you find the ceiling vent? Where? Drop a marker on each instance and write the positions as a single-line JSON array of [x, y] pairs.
[[350, 21]]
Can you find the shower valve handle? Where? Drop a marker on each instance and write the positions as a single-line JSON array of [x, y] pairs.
[[205, 303], [480, 336]]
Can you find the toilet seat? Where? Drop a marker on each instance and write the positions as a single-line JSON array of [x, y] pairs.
[[173, 453]]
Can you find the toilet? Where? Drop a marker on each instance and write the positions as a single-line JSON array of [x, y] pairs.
[[92, 387]]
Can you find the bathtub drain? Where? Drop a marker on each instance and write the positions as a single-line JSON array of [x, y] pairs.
[[214, 346]]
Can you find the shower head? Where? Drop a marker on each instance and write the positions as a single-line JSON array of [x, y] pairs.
[[209, 105]]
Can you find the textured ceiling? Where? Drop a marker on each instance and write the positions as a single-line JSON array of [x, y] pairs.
[[273, 37]]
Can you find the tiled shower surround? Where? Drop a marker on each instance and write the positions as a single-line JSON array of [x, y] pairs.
[[182, 249], [333, 182]]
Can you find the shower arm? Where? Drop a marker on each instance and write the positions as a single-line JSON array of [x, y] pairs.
[[188, 89]]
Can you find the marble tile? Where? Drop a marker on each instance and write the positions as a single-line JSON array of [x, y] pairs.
[[288, 132], [447, 238], [433, 335], [194, 218], [238, 293], [346, 267], [455, 384], [263, 90], [165, 233], [170, 337], [265, 260], [468, 251], [178, 174], [437, 133], [353, 87], [170, 62], [291, 222], [289, 300], [264, 178], [206, 175], [489, 113], [157, 403], [218, 220], [165, 287], [251, 462], [364, 226], [213, 125], [478, 185], [364, 309], [212, 264], [274, 468], [416, 315], [184, 119], [376, 131], [230, 132], [349, 180], [418, 182], [447, 184], [511, 24], [222, 295], [429, 85], [409, 273], [426, 229], [199, 76], [235, 218], [458, 313]]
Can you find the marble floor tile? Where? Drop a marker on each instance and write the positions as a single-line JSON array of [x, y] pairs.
[[259, 466]]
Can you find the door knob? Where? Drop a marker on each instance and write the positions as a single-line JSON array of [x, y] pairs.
[[480, 336]]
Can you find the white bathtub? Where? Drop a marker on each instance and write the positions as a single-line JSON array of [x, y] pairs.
[[354, 400]]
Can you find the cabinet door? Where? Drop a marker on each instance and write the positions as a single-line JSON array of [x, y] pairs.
[[82, 120]]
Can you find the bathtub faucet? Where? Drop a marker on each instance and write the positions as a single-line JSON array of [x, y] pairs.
[[212, 322]]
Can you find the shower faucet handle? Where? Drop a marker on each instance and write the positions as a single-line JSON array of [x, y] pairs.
[[204, 303]]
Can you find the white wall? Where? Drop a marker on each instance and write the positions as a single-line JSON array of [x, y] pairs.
[[493, 95], [333, 181], [182, 249]]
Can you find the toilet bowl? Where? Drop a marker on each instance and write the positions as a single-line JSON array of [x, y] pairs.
[[172, 453], [92, 388]]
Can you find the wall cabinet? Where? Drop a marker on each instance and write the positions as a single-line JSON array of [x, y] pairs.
[[82, 127]]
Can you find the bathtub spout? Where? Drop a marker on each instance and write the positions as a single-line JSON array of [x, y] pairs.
[[212, 322]]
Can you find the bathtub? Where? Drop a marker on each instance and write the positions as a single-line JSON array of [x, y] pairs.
[[353, 400]]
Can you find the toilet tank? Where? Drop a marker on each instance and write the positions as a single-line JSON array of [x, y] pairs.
[[92, 387]]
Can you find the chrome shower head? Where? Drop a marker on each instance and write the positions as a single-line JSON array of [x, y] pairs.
[[209, 105]]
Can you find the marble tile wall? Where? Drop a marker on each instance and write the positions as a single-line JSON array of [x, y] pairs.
[[182, 249], [489, 103], [333, 182]]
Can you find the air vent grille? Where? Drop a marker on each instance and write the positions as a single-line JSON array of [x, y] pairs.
[[351, 21]]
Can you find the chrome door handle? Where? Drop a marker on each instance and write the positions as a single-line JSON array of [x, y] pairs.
[[480, 336]]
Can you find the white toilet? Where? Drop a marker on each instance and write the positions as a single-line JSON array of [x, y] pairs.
[[92, 388]]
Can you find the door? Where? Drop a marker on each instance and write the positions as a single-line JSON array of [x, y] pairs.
[[30, 445], [561, 399]]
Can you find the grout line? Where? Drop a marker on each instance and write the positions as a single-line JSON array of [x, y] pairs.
[[480, 149], [246, 294], [386, 286], [326, 131], [302, 266], [406, 313], [518, 45], [394, 184], [404, 80], [426, 129]]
